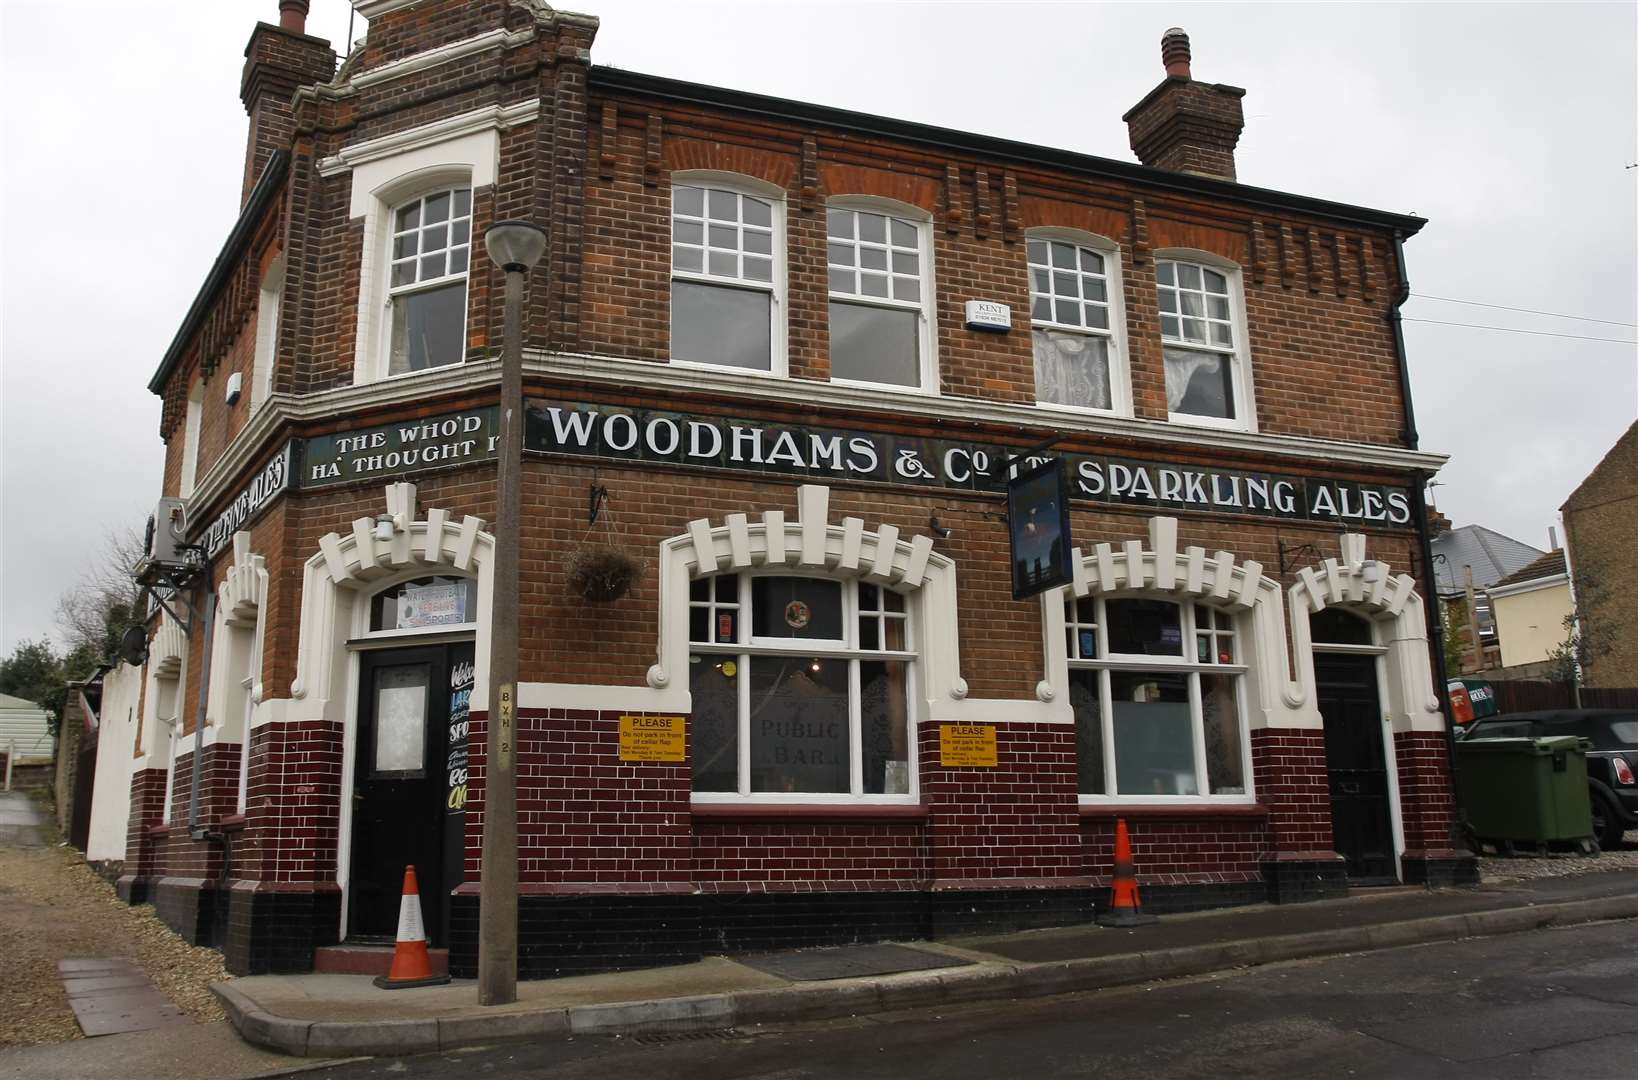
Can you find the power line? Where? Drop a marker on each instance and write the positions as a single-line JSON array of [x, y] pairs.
[[1530, 311], [1515, 330]]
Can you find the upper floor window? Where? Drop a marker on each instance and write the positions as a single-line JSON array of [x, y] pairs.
[[1074, 322], [191, 422], [799, 685], [725, 282], [880, 329], [1201, 339], [1156, 690], [431, 247]]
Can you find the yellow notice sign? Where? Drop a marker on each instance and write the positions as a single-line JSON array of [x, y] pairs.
[[653, 738], [968, 745]]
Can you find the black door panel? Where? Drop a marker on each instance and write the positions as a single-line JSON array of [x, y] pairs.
[[1360, 814]]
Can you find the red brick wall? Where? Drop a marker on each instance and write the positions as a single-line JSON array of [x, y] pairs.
[[1291, 779], [1015, 823], [293, 802], [1427, 806], [1169, 850], [584, 816], [147, 806]]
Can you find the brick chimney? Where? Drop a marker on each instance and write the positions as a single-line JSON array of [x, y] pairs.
[[1184, 125], [277, 60]]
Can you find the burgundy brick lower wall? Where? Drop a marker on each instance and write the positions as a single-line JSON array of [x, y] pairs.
[[584, 816], [292, 803], [782, 856], [1009, 826], [147, 807], [1427, 805], [1292, 782], [1169, 849]]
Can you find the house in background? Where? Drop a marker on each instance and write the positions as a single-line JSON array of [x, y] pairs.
[[1529, 607], [1600, 519], [1491, 557], [25, 729]]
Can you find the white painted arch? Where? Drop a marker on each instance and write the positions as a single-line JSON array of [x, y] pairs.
[[1390, 602], [1218, 579], [813, 545]]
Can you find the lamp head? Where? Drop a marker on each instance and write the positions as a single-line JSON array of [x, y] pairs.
[[515, 246]]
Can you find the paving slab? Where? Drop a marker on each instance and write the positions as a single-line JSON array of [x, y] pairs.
[[111, 996]]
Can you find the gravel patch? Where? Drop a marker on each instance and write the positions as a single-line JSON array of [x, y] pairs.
[[1529, 867], [54, 907]]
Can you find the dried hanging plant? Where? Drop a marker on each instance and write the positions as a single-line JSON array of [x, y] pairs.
[[602, 574]]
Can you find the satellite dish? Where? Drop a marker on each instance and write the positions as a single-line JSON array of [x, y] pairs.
[[133, 646]]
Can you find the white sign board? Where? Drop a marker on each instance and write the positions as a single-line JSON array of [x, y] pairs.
[[988, 315]]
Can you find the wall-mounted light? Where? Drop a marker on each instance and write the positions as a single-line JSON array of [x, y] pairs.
[[384, 527]]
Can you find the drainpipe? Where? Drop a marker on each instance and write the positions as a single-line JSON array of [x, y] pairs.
[[1419, 483]]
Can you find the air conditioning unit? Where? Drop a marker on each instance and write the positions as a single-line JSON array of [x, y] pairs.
[[164, 546]]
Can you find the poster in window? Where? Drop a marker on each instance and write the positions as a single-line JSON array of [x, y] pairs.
[[462, 677], [432, 605], [1038, 526]]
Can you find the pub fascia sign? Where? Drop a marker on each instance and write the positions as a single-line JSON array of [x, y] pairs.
[[586, 430]]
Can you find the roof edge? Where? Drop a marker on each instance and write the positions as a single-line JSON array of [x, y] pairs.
[[616, 79], [222, 269]]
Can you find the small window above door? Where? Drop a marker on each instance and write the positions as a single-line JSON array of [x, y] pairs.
[[427, 603]]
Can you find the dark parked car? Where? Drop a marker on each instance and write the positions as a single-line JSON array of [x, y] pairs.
[[1612, 763]]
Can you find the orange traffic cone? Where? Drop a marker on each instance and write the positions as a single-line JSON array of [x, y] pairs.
[[1125, 909], [410, 964]]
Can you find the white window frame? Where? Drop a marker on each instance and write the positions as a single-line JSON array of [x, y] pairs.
[[779, 335], [390, 292], [1184, 664], [1120, 370], [364, 634], [269, 300], [927, 323], [192, 421], [747, 648], [1239, 356]]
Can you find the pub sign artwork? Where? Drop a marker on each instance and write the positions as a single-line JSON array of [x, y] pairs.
[[1038, 527]]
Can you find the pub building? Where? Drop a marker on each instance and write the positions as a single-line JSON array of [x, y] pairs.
[[780, 363]]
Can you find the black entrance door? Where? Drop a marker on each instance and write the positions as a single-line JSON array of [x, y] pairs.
[[401, 802], [1351, 708]]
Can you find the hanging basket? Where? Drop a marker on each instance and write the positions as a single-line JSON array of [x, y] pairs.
[[602, 574]]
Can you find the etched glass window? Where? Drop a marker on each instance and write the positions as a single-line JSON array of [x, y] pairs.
[[801, 686], [400, 719]]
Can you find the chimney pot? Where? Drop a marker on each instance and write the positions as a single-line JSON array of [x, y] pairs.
[[1174, 52], [293, 16]]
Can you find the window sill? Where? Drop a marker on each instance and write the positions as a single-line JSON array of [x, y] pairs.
[[233, 823], [1105, 811], [857, 813]]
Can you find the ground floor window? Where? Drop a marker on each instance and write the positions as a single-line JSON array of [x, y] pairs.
[[800, 685], [1156, 689]]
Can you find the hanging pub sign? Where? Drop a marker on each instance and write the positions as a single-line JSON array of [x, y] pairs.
[[755, 446], [1038, 528]]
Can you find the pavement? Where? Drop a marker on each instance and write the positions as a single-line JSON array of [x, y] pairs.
[[342, 1015], [21, 822]]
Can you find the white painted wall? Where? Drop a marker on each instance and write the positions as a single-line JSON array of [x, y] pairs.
[[116, 745]]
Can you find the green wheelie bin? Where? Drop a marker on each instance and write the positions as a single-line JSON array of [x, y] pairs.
[[1525, 791]]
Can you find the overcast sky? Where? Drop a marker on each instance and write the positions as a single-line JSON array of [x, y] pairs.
[[1508, 126]]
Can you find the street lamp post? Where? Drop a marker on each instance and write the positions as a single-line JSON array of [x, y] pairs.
[[515, 246]]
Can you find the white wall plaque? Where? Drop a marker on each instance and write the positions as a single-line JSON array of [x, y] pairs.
[[988, 315]]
